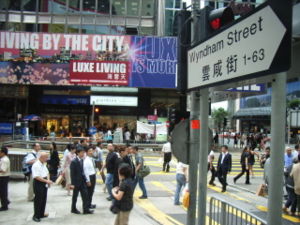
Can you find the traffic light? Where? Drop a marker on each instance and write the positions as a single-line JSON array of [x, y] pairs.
[[214, 19], [225, 122], [97, 109], [172, 115], [220, 17]]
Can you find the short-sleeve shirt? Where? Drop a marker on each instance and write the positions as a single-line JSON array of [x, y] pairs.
[[126, 203], [39, 169], [5, 166], [180, 168], [166, 148], [211, 156], [31, 156]]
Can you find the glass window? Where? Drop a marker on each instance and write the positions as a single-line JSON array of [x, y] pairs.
[[103, 6], [119, 6], [29, 5], [146, 31], [148, 7], [56, 28], [88, 29], [57, 7], [89, 5], [11, 4], [73, 29], [133, 7]]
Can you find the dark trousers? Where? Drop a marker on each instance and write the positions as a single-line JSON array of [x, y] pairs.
[[91, 189], [167, 159], [40, 198], [242, 173], [3, 192], [84, 196], [292, 199], [222, 176], [213, 173]]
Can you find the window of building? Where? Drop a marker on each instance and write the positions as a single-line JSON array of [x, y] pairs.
[[89, 5], [119, 6], [148, 7], [133, 7], [103, 6], [29, 5], [11, 4]]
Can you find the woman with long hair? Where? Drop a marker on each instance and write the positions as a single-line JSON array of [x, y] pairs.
[[245, 166], [53, 162], [252, 155]]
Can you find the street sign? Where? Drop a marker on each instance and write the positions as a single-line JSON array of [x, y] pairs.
[[92, 130], [255, 45]]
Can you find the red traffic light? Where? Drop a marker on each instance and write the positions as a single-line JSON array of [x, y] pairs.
[[220, 17], [215, 24]]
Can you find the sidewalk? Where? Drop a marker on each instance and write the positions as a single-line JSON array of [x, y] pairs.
[[59, 205]]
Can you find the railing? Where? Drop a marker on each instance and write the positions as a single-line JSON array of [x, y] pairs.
[[221, 212]]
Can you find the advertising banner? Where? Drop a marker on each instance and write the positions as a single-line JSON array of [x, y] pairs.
[[6, 128], [87, 59], [99, 72]]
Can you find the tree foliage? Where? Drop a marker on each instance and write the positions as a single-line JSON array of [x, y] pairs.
[[218, 116], [295, 103]]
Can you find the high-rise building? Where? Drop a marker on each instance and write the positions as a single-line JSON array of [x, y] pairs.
[[79, 16]]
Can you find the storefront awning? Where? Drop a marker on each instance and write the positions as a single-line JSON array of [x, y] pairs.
[[253, 112]]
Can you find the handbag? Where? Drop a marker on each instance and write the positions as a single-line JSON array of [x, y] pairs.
[[59, 180], [144, 171], [262, 190], [115, 207]]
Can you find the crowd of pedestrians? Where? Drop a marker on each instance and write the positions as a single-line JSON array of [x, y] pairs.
[[79, 166]]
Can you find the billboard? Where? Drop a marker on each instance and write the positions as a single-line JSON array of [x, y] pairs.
[[6, 128], [87, 59], [114, 100]]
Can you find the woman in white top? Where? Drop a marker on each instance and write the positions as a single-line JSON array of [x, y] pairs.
[[70, 156], [181, 178]]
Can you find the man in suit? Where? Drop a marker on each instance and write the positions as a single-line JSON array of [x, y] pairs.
[[78, 180], [224, 166]]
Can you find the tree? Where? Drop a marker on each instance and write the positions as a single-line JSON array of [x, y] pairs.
[[295, 103], [218, 116]]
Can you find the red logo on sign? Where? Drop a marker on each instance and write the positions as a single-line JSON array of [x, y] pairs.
[[195, 124]]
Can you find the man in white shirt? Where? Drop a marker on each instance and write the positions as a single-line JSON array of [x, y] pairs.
[[4, 177], [31, 158], [211, 168], [41, 182], [127, 137], [166, 149], [90, 174]]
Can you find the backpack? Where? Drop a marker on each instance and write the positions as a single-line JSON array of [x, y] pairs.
[[26, 168]]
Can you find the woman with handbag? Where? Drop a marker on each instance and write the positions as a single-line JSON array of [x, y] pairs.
[[123, 195], [66, 172]]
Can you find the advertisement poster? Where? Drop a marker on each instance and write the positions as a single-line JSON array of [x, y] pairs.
[[84, 59]]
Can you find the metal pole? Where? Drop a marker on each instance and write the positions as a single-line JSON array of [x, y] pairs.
[[194, 133], [289, 125], [204, 143], [278, 116], [193, 158], [93, 115]]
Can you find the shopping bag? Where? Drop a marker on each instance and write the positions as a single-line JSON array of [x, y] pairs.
[[186, 196], [59, 180], [186, 199], [262, 190]]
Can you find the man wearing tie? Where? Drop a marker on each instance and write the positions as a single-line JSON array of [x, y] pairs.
[[224, 166], [78, 180], [89, 170]]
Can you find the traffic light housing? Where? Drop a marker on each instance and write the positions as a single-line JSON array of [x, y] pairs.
[[220, 17], [172, 115], [225, 122]]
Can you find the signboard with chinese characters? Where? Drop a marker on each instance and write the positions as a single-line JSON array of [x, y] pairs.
[[114, 100], [253, 46], [103, 72]]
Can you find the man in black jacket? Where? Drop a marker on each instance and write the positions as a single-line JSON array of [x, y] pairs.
[[78, 180], [224, 166]]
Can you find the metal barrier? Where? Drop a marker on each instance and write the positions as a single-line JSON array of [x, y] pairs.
[[221, 212]]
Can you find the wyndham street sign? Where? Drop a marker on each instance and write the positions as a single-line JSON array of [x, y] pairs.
[[255, 45]]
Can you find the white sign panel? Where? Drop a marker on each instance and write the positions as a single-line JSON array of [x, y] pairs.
[[114, 100], [245, 48]]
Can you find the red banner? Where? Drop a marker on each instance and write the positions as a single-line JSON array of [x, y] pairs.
[[100, 72]]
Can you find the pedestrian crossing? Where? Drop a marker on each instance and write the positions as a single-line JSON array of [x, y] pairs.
[[157, 162]]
